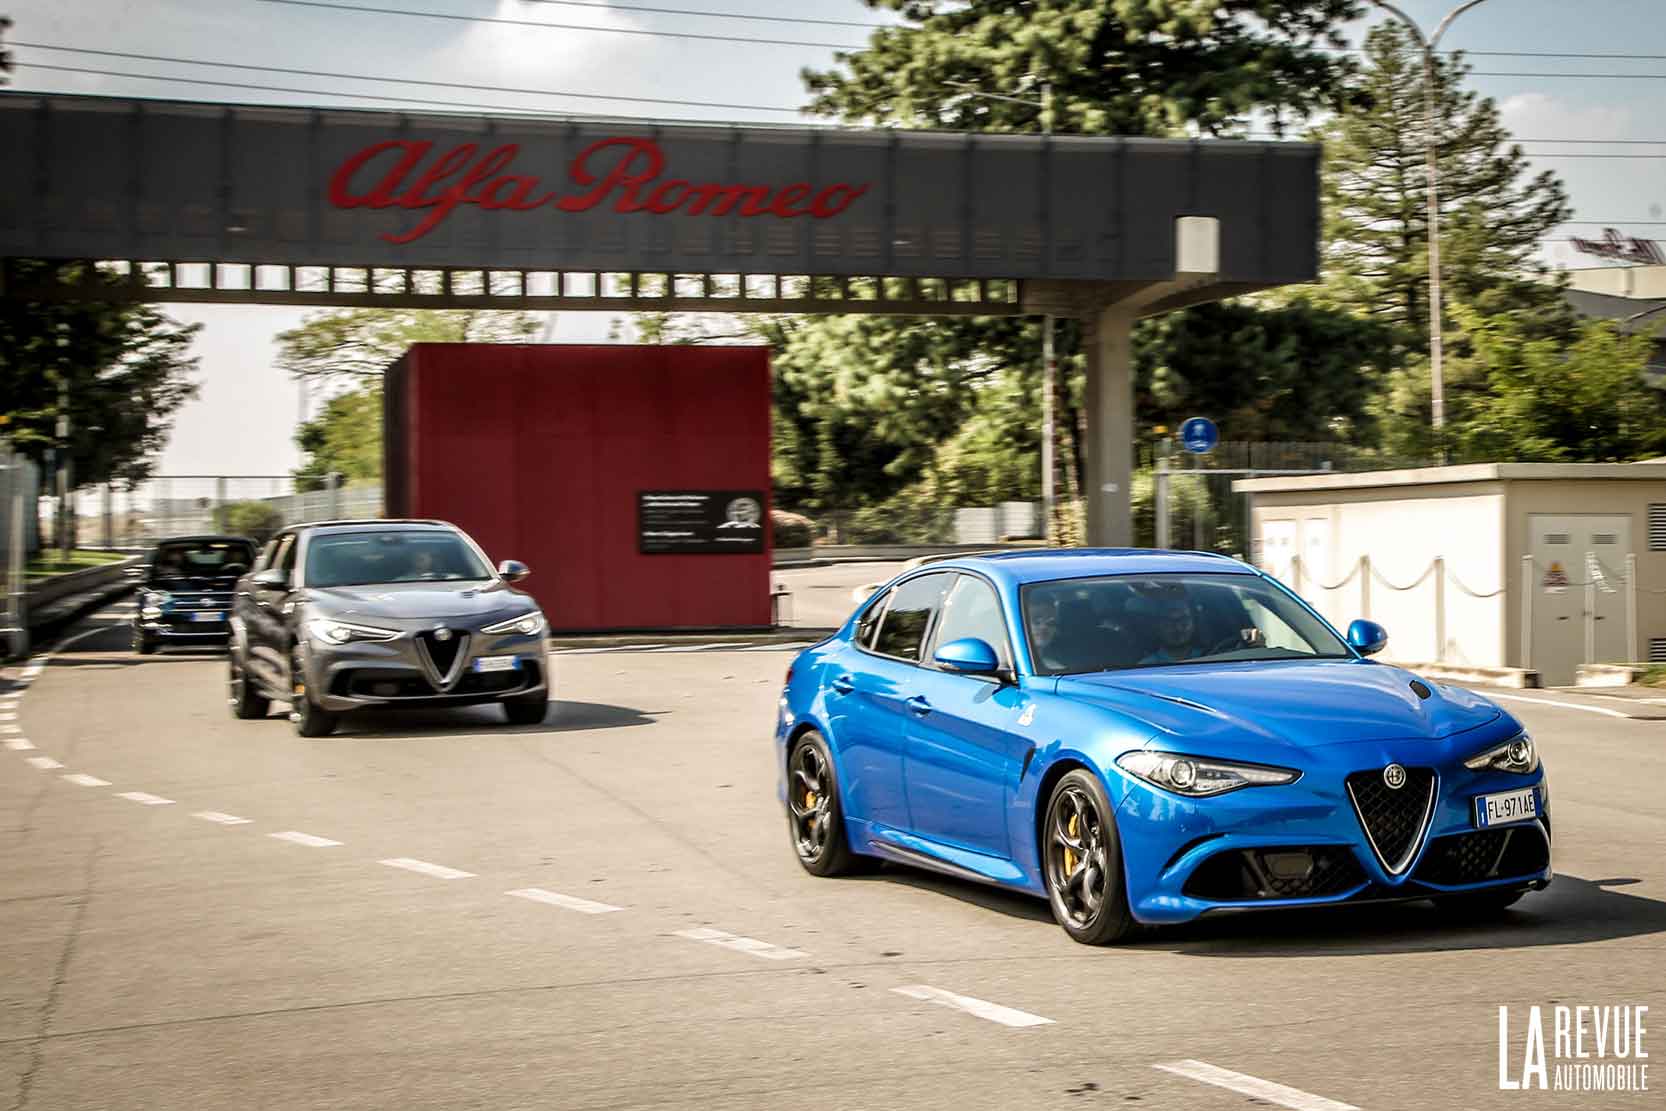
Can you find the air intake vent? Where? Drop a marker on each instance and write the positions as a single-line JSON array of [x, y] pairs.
[[1395, 819], [1657, 650], [1657, 527]]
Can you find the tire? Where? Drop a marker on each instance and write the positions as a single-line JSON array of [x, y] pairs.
[[247, 704], [1081, 860], [526, 711], [1477, 905], [310, 719], [143, 645], [815, 814]]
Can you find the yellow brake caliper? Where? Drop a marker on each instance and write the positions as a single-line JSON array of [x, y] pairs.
[[1070, 853], [810, 804]]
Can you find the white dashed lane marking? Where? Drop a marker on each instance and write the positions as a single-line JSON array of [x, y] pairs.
[[18, 744], [44, 763], [438, 871], [6, 716], [222, 819], [994, 1012], [145, 798], [1253, 1086], [82, 779], [566, 902], [10, 729], [751, 946], [299, 838]]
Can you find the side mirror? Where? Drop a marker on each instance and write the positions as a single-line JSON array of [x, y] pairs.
[[273, 578], [1367, 637], [968, 656], [513, 570]]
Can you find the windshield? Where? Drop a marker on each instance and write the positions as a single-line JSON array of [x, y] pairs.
[[1130, 621], [390, 556], [202, 559]]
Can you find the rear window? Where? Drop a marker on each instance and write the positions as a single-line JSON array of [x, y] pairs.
[[197, 558]]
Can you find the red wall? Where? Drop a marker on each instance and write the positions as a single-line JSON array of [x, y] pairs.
[[539, 452]]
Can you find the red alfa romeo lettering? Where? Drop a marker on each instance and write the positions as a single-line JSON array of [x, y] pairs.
[[620, 174]]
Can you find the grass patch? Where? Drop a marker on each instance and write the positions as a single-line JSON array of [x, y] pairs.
[[50, 563], [1654, 676]]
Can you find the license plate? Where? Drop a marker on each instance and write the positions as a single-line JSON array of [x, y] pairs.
[[1512, 806], [208, 617], [497, 663]]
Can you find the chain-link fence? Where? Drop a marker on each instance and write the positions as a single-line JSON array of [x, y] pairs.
[[114, 516]]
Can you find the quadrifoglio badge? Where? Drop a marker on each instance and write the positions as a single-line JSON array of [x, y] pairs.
[[1574, 1049]]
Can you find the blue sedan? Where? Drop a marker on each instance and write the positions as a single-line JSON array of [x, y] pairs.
[[1146, 737]]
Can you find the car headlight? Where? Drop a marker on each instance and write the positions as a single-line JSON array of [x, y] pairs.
[[1517, 755], [527, 624], [340, 632], [1198, 777], [151, 603]]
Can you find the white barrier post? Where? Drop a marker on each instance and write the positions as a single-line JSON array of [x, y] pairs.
[[1440, 609], [1365, 587], [1633, 649], [1590, 609], [1526, 611]]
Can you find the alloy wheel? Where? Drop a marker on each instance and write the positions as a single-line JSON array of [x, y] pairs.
[[1077, 861], [810, 800]]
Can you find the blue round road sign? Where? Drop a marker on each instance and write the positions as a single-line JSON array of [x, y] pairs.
[[1199, 435]]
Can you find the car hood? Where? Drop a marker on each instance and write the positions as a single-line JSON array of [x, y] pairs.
[[417, 601], [1304, 703]]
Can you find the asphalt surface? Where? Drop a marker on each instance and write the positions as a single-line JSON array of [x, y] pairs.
[[156, 954]]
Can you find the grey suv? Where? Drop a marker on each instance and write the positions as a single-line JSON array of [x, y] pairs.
[[349, 615]]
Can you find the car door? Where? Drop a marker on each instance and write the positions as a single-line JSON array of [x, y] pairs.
[[965, 744], [871, 681], [264, 617]]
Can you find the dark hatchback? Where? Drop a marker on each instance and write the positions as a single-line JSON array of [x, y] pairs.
[[186, 587]]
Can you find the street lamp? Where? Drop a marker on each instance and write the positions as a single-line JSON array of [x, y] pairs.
[[1049, 365], [1437, 391]]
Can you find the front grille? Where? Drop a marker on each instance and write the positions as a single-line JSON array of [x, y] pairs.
[[1299, 872], [443, 653], [1394, 820], [1485, 854]]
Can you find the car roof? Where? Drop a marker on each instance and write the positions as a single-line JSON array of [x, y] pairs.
[[1052, 564], [374, 524], [208, 537]]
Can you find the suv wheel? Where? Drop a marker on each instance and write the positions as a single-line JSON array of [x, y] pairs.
[[246, 703], [310, 719], [526, 711], [143, 644]]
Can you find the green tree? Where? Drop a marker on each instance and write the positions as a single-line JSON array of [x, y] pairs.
[[119, 371], [346, 437], [1494, 212], [1116, 67], [1290, 371], [342, 344], [1525, 397]]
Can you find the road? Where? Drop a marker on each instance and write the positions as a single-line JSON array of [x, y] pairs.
[[436, 911]]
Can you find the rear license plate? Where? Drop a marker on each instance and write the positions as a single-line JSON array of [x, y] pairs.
[[208, 617], [497, 663], [1512, 806]]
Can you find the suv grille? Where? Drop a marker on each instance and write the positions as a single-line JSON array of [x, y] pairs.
[[442, 653], [1394, 820]]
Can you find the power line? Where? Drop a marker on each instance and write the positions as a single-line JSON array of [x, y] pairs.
[[565, 26], [714, 15], [400, 80]]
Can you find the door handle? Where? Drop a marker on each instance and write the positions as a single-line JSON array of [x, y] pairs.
[[919, 705], [844, 684]]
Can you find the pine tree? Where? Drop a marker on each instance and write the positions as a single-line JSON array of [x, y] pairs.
[[1494, 212]]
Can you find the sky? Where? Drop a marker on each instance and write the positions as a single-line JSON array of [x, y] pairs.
[[243, 421]]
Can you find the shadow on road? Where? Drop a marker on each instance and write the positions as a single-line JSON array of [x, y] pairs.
[[1572, 911], [564, 716]]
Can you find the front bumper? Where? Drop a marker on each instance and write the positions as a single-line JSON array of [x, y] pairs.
[[367, 674], [178, 618], [1244, 850]]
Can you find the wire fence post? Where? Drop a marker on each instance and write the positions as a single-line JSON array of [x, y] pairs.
[[1590, 611], [1634, 651], [1440, 609], [1161, 496], [1526, 612], [1365, 587]]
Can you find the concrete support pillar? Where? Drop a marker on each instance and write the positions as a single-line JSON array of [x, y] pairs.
[[1109, 406]]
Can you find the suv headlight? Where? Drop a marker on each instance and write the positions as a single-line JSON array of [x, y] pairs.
[[1517, 755], [527, 624], [151, 603], [1199, 777], [340, 632]]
